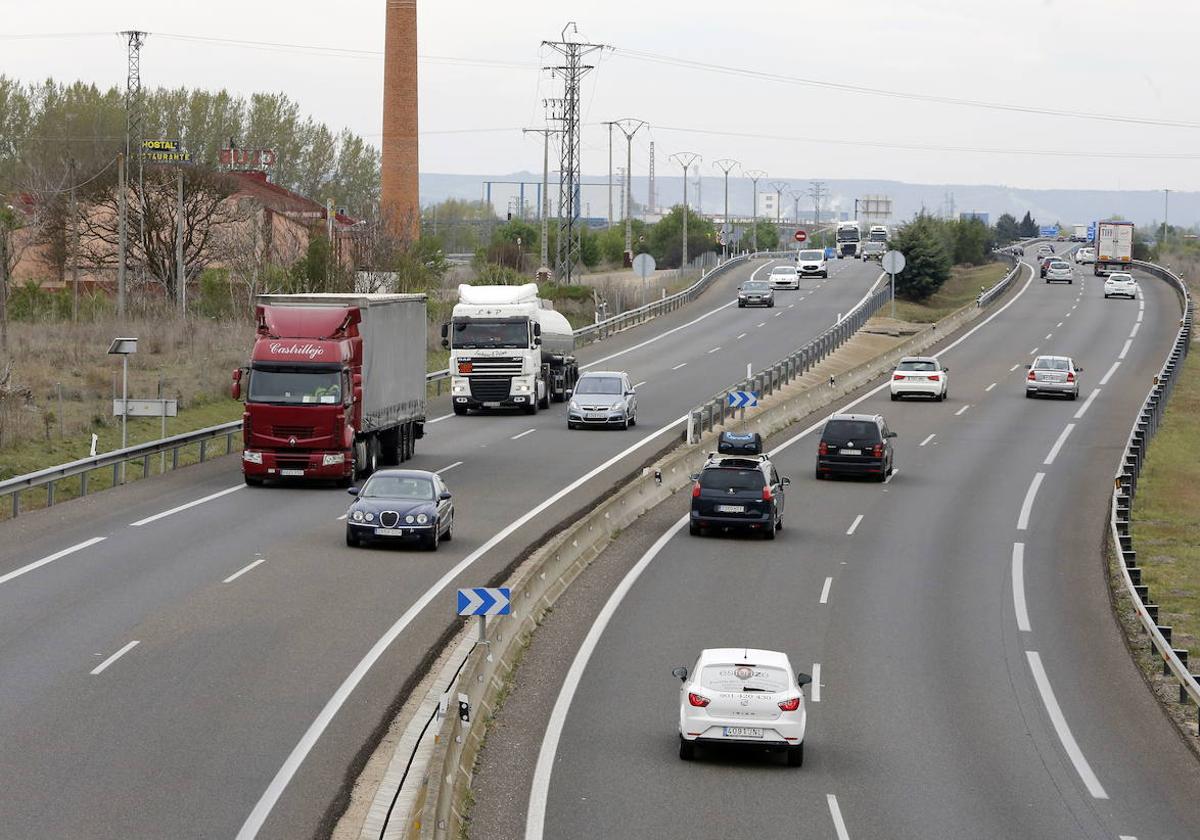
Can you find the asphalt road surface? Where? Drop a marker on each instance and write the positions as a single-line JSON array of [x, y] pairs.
[[971, 680], [187, 657]]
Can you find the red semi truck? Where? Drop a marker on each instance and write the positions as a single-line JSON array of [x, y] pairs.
[[335, 386]]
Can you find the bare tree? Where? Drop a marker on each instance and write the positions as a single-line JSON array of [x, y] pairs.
[[12, 246]]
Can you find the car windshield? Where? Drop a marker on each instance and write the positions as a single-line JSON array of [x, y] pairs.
[[1052, 364], [409, 488], [289, 386], [474, 333], [756, 286], [812, 255], [840, 430], [598, 385], [913, 364], [726, 478], [739, 676]]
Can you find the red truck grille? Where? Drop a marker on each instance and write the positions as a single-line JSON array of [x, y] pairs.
[[292, 431], [286, 461]]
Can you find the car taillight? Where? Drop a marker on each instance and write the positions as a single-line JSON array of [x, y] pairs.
[[697, 700], [696, 490], [790, 705], [934, 377], [823, 448], [877, 450], [897, 376], [1032, 375], [1070, 376], [766, 493]]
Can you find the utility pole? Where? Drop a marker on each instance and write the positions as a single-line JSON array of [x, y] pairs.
[[817, 191], [74, 247], [795, 194], [122, 234], [685, 159], [629, 127], [651, 199], [571, 71], [133, 128], [544, 210], [754, 175], [725, 165], [779, 187], [180, 272], [610, 175]]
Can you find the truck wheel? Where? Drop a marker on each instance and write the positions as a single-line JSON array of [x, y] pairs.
[[532, 407], [412, 443], [460, 410], [544, 402], [253, 481]]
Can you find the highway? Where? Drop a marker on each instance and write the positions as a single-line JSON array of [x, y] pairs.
[[970, 680], [187, 657]]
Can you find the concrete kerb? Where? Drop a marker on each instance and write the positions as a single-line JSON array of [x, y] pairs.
[[537, 584]]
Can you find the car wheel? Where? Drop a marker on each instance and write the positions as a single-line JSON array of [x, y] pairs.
[[1029, 395], [460, 410], [1106, 297], [771, 305], [741, 304], [433, 541], [352, 539], [633, 419], [895, 397], [252, 481], [625, 424], [695, 530], [449, 535], [795, 755], [1074, 396], [769, 534], [571, 425], [687, 749]]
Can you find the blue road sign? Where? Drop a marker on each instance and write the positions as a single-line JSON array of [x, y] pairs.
[[483, 601], [1047, 231], [1091, 234], [743, 399]]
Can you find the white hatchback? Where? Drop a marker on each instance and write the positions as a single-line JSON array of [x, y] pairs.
[[1119, 284], [784, 277], [920, 375], [1060, 270], [1085, 256], [742, 696]]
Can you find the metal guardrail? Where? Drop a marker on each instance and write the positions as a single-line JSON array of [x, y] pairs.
[[986, 297], [1175, 661], [142, 452]]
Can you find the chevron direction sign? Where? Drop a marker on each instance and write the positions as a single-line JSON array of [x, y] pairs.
[[743, 399], [483, 601]]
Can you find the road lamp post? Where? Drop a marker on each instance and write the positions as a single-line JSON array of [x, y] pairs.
[[685, 159], [725, 165], [754, 175]]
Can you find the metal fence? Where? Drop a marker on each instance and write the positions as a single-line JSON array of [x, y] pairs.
[[1175, 662], [989, 295]]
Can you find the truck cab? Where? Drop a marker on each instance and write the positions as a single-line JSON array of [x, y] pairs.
[[849, 239]]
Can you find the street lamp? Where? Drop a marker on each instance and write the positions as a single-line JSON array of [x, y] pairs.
[[754, 175], [685, 159], [123, 347], [725, 165]]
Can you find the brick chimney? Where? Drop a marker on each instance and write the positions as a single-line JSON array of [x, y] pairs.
[[399, 191]]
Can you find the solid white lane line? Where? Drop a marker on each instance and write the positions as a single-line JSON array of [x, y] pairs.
[[1061, 729], [50, 558], [740, 337], [825, 590], [854, 525], [839, 824], [439, 419], [961, 410], [1014, 367], [1125, 349], [526, 432], [100, 668], [816, 682], [1058, 444], [931, 437], [1018, 585], [448, 467], [1027, 505], [639, 384], [243, 570], [680, 365], [1087, 403], [1139, 317], [266, 802], [1133, 333], [1111, 371], [188, 506], [990, 387], [535, 817], [714, 350]]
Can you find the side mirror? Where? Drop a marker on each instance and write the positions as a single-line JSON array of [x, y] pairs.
[[235, 390], [445, 496], [630, 393], [537, 328], [1078, 369], [946, 368], [537, 341], [803, 680], [680, 672], [570, 393], [892, 434], [785, 481], [445, 343], [695, 476], [353, 491], [445, 331]]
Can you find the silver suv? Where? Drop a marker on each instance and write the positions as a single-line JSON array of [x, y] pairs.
[[1053, 375]]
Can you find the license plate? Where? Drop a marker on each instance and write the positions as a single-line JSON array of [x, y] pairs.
[[389, 532], [595, 415], [491, 405], [731, 508], [743, 732], [291, 472], [851, 451]]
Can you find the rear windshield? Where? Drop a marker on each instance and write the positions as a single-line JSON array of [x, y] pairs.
[[1051, 364], [1059, 264], [921, 366], [737, 676], [851, 430], [1124, 278], [726, 478], [812, 255], [756, 286]]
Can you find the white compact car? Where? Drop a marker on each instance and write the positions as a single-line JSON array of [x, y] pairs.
[[784, 277], [811, 263], [1119, 284], [742, 696], [1085, 256], [1060, 270], [920, 375]]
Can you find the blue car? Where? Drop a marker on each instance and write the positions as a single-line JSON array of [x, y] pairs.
[[401, 506], [831, 253]]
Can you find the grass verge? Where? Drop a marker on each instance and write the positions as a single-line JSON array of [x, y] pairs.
[[962, 288]]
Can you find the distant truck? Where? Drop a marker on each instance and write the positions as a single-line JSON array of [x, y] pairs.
[[508, 349], [1114, 247], [335, 387], [878, 233], [1079, 233], [849, 239]]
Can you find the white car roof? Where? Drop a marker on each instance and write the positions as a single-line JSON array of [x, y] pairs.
[[1120, 275], [754, 656]]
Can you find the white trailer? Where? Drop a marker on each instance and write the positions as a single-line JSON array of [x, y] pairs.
[[1114, 247]]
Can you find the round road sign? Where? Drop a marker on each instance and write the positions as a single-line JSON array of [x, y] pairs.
[[643, 265], [801, 236], [893, 262]]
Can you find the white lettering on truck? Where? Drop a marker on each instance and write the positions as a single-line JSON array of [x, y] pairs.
[[310, 350]]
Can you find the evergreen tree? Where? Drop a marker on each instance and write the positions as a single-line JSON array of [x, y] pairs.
[[1008, 229], [927, 264], [1029, 226]]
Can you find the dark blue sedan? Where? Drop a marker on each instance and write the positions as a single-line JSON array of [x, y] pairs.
[[401, 505]]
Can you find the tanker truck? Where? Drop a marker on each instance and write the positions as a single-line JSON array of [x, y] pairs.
[[508, 349]]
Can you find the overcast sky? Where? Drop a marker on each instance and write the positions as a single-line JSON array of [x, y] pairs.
[[1112, 57]]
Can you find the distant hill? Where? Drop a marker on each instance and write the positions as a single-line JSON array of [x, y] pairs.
[[1047, 206]]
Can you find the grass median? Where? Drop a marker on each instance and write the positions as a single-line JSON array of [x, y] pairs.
[[1166, 512], [963, 287]]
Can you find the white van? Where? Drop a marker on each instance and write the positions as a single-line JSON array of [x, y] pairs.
[[811, 263]]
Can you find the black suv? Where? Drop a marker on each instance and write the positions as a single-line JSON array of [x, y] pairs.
[[742, 492], [857, 444]]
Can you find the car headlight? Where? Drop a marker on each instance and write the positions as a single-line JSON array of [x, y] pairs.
[[358, 516], [422, 519], [519, 387], [252, 457], [573, 406], [409, 519], [333, 460], [618, 406], [370, 517]]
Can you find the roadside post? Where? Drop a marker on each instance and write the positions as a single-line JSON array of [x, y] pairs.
[[484, 601], [893, 264], [123, 347], [643, 266]]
